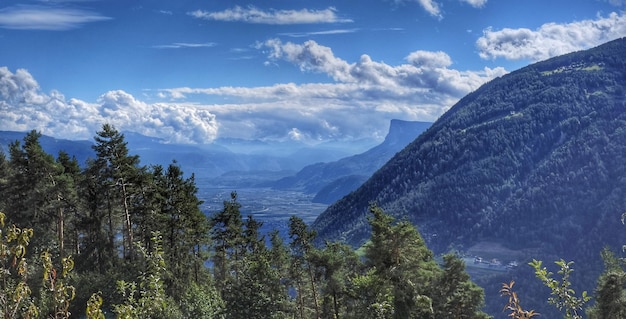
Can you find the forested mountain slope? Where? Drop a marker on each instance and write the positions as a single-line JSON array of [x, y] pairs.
[[536, 158]]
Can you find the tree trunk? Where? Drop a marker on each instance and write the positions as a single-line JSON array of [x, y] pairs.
[[129, 227]]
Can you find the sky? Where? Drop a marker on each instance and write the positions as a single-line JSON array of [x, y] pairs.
[[275, 70]]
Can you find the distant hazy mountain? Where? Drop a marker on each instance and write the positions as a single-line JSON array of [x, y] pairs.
[[210, 160], [534, 160], [333, 180], [80, 149]]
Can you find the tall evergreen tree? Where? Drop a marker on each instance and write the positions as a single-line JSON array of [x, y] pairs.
[[302, 269], [5, 176], [336, 264], [409, 282], [67, 204], [228, 242], [455, 295], [33, 193], [610, 294], [113, 180], [185, 230]]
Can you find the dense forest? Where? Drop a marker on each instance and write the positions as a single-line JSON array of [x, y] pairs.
[[533, 160], [113, 238]]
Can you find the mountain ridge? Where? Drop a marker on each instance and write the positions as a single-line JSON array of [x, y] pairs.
[[532, 161], [491, 152], [332, 180]]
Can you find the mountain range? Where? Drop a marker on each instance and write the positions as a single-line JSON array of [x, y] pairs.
[[208, 160], [533, 162]]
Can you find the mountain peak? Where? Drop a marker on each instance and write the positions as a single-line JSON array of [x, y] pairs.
[[403, 132]]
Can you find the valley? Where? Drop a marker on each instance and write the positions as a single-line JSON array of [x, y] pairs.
[[270, 206]]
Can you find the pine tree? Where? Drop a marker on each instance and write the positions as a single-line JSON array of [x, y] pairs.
[[610, 294], [228, 242], [185, 230], [456, 296], [302, 269], [113, 182], [34, 190], [400, 259], [336, 265]]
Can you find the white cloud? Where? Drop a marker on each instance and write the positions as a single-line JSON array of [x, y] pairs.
[[364, 97], [24, 17], [475, 3], [550, 39], [254, 15], [429, 59], [327, 32], [183, 45], [24, 107], [431, 7], [427, 70], [361, 99]]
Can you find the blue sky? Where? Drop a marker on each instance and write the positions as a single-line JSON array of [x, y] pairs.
[[313, 71]]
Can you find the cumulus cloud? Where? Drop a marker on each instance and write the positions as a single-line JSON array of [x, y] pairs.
[[25, 107], [363, 98], [550, 39], [30, 17], [426, 70], [252, 14]]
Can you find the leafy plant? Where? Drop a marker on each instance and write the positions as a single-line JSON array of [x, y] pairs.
[[516, 311], [15, 294], [62, 293], [563, 296]]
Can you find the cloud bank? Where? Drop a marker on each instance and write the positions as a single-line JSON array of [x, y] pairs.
[[252, 14], [24, 107], [31, 17], [359, 102], [550, 39]]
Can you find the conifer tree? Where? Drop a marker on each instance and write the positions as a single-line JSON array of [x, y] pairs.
[[34, 189], [336, 264], [185, 230], [400, 259], [228, 242], [302, 269], [610, 294], [456, 296], [112, 182]]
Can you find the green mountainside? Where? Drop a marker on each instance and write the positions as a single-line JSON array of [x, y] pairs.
[[534, 161]]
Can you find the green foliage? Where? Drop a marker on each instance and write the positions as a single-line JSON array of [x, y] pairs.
[[56, 286], [406, 277], [563, 296], [15, 294], [94, 307], [460, 297], [201, 302], [147, 299]]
